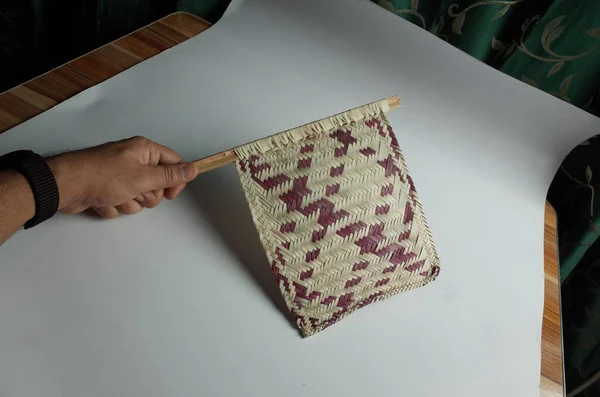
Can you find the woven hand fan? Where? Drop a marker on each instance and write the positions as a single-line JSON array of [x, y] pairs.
[[337, 213]]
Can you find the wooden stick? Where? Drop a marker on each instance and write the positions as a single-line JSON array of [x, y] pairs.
[[229, 156], [394, 102], [215, 161]]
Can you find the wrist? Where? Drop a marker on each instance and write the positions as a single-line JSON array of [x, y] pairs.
[[69, 187]]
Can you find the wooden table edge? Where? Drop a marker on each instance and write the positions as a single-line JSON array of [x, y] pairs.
[[72, 70], [173, 14], [552, 366], [51, 88]]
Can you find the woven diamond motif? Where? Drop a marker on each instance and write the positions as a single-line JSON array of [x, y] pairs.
[[338, 216]]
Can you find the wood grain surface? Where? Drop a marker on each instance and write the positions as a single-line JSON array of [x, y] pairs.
[[32, 98], [552, 362], [40, 94]]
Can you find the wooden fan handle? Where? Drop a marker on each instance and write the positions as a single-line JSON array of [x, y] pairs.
[[229, 156], [215, 161]]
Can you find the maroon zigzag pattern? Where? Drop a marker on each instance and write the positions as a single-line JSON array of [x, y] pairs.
[[357, 249]]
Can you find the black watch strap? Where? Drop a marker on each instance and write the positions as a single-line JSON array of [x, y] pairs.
[[43, 185]]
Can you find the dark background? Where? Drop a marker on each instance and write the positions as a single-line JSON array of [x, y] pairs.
[[39, 35]]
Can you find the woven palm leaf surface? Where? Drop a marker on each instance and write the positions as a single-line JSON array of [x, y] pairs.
[[338, 215]]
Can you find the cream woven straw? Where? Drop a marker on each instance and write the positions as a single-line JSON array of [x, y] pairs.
[[338, 215]]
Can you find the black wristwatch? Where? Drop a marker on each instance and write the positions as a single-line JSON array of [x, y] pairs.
[[43, 184]]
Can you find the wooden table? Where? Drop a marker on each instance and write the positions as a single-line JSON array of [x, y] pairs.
[[40, 94], [552, 357]]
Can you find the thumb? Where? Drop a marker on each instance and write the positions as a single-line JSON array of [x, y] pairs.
[[164, 176]]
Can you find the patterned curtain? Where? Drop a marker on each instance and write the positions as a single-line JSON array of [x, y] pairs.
[[553, 45]]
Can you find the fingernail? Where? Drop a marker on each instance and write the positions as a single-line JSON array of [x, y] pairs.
[[139, 199], [188, 171]]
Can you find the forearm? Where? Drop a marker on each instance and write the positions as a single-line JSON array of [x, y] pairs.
[[17, 205]]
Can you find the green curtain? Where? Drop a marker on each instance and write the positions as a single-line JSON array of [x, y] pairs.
[[553, 45], [574, 195]]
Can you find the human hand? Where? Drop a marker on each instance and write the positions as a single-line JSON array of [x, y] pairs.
[[119, 177]]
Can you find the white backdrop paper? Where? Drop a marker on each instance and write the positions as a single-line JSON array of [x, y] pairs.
[[178, 300]]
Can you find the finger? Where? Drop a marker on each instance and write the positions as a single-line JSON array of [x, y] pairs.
[[172, 192], [107, 212], [162, 155], [164, 176], [129, 208], [153, 198]]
